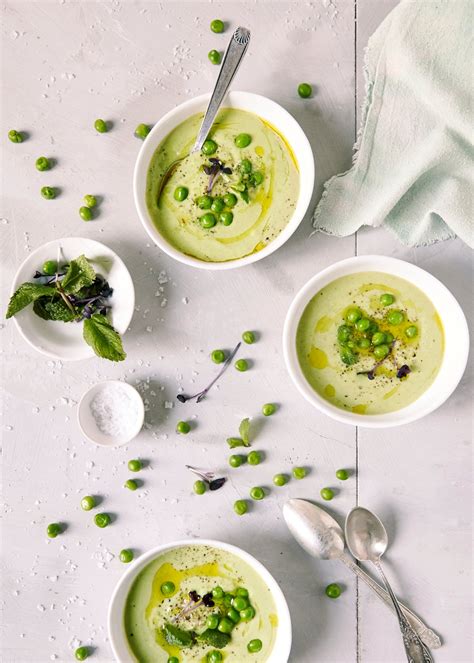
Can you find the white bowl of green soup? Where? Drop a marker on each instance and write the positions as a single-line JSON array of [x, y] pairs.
[[195, 601], [375, 341], [239, 198]]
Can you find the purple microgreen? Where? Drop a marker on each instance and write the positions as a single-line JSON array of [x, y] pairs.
[[207, 600], [371, 373], [195, 601], [194, 596], [215, 484], [208, 477], [183, 398], [403, 371], [214, 170]]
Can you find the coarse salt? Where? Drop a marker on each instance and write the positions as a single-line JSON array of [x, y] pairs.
[[115, 412]]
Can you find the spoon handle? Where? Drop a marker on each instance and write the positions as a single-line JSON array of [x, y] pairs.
[[415, 650], [428, 636], [232, 59]]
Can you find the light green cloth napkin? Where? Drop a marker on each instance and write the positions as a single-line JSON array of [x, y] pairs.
[[414, 159]]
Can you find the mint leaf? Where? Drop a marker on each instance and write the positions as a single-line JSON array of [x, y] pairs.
[[214, 638], [80, 274], [177, 637], [26, 294], [53, 310], [103, 339], [244, 430]]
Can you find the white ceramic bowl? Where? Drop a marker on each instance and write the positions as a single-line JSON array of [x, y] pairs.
[[64, 340], [118, 639], [88, 425], [456, 336], [254, 103]]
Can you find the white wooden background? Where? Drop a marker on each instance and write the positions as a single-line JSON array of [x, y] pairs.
[[63, 65]]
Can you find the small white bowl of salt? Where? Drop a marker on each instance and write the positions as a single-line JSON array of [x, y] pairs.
[[111, 413]]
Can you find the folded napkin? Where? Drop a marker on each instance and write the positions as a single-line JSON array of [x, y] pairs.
[[414, 159]]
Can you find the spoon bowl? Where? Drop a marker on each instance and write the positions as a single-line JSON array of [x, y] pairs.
[[314, 529], [365, 535]]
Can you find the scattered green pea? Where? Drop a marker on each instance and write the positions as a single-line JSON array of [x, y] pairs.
[[254, 646], [248, 337], [50, 267], [212, 622], [378, 338], [280, 479], [90, 201], [247, 614], [411, 332], [134, 465], [387, 299], [240, 507], [173, 659], [126, 555], [236, 460], [131, 484], [364, 343], [343, 475], [257, 493], [183, 428], [226, 218], [299, 472], [343, 333], [254, 458], [241, 591], [389, 338], [181, 193], [395, 317], [204, 202], [199, 487], [257, 178], [226, 625], [81, 653], [218, 356], [217, 25], [85, 213], [233, 614], [100, 126], [230, 200], [53, 530], [15, 136], [326, 493], [333, 590], [214, 656], [87, 503], [214, 56], [305, 90], [217, 205], [381, 351], [241, 365], [268, 409], [352, 315], [142, 131], [208, 220], [102, 519], [363, 324], [167, 588], [218, 593], [48, 192], [246, 166], [243, 140], [42, 163]]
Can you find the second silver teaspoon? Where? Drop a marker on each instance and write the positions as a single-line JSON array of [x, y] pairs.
[[367, 540]]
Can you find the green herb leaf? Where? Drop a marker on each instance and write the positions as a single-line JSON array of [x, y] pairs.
[[80, 274], [234, 442], [26, 294], [53, 310], [214, 638], [245, 196], [177, 637], [244, 430], [102, 337]]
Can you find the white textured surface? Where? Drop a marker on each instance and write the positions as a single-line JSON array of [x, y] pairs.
[[63, 65]]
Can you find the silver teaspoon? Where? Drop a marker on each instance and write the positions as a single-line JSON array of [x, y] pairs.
[[367, 540], [232, 58], [320, 535]]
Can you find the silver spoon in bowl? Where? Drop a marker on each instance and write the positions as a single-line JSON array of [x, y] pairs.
[[367, 540], [322, 537], [232, 58]]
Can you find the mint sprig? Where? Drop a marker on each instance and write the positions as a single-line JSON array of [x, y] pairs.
[[103, 339]]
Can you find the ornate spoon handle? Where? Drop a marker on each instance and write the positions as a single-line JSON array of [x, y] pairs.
[[428, 636]]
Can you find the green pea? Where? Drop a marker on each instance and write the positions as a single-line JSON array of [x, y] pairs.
[[236, 460], [246, 166], [218, 356], [299, 472], [102, 519], [90, 201], [411, 332], [241, 365], [378, 338], [257, 178], [214, 656], [268, 409], [81, 653], [333, 590], [389, 338], [142, 131], [247, 614], [173, 659], [381, 351], [212, 622], [101, 126], [53, 530], [43, 163], [248, 337], [204, 202], [280, 479], [218, 593], [351, 344], [349, 357], [131, 484], [85, 213], [214, 56], [183, 428], [352, 315], [254, 458], [233, 615], [217, 25], [180, 193], [208, 220], [305, 90], [15, 136], [228, 600], [254, 646], [364, 343], [50, 267], [373, 328], [199, 487], [387, 299], [363, 324], [395, 317], [126, 555], [257, 493], [209, 147], [243, 140], [87, 503], [326, 493], [226, 218], [225, 625], [217, 205], [240, 507], [241, 591], [48, 192], [230, 200], [167, 588], [134, 465], [343, 333], [342, 474]]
